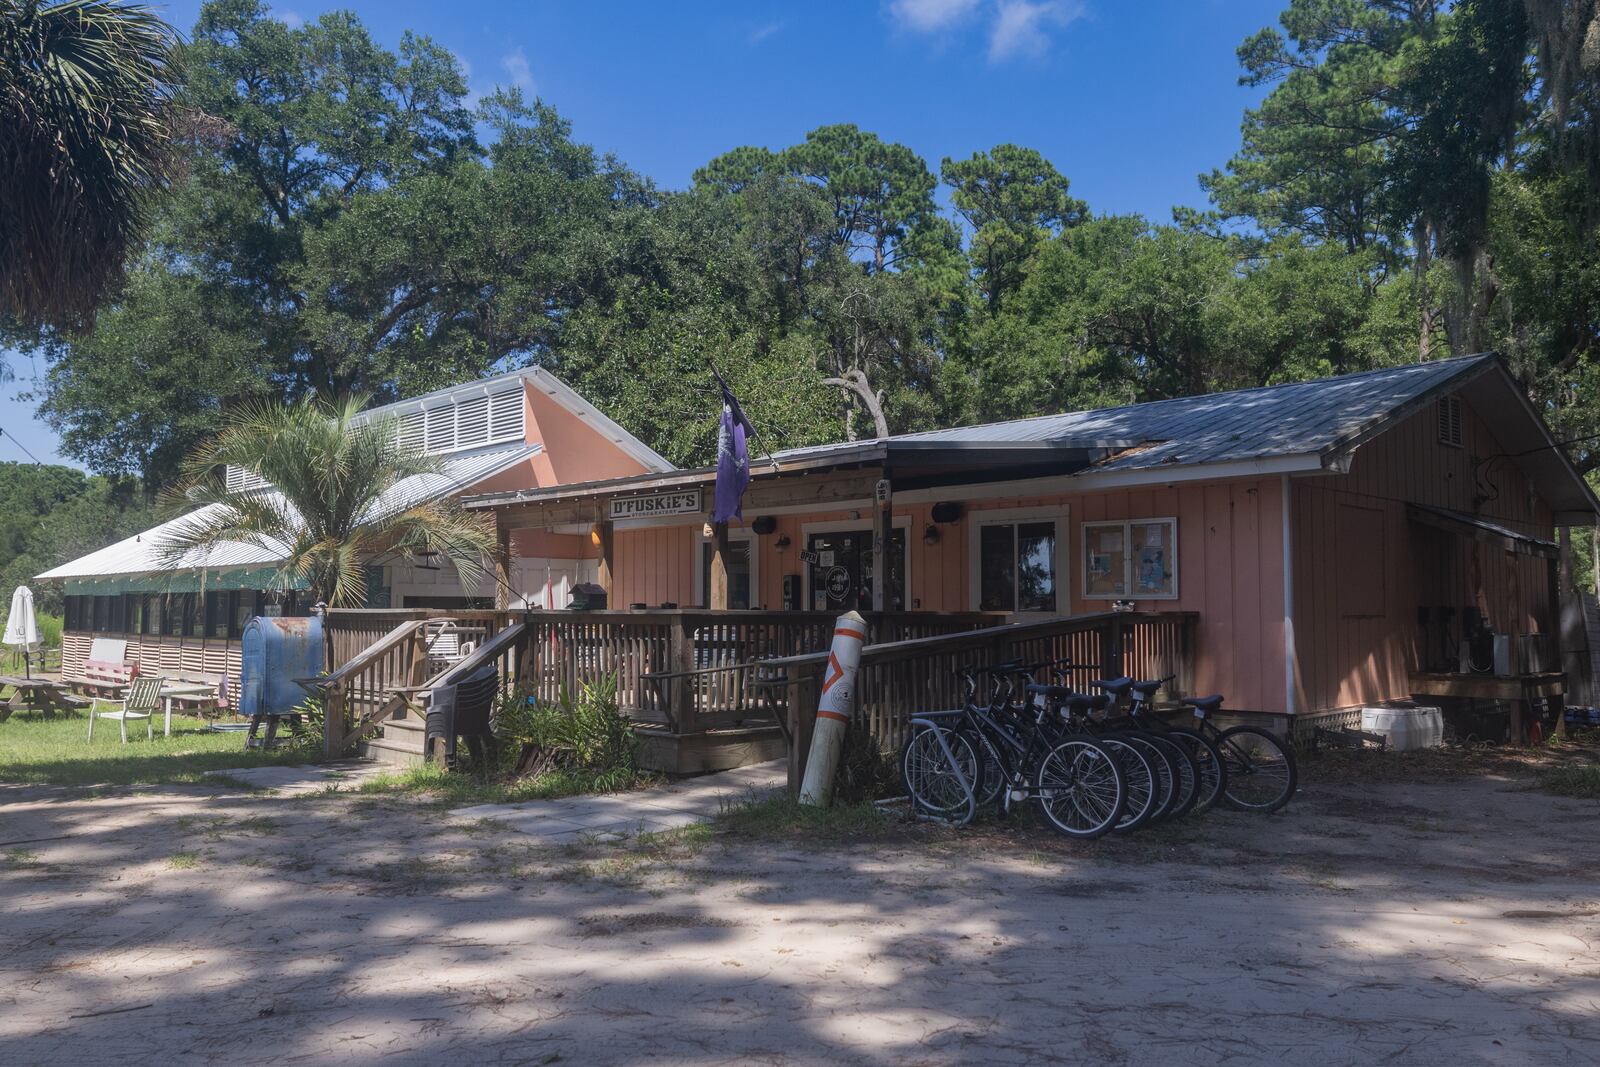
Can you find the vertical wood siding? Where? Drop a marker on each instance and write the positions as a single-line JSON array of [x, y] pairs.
[[1350, 653]]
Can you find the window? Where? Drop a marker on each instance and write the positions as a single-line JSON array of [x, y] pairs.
[[133, 608], [740, 574], [1136, 560], [219, 611], [1450, 421], [1017, 566], [152, 615]]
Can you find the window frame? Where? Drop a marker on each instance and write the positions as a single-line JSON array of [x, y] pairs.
[[700, 571], [977, 518], [1126, 525]]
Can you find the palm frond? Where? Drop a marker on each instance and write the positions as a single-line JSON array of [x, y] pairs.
[[325, 514], [85, 105]]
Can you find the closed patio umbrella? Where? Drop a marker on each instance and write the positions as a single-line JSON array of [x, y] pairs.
[[21, 627]]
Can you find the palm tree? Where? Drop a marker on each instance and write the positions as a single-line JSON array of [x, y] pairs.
[[85, 92], [319, 503]]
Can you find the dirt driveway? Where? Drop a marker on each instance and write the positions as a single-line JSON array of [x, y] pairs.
[[1453, 922]]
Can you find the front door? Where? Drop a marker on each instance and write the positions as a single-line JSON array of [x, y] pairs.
[[841, 571]]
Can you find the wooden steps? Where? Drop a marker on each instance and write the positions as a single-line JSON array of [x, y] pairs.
[[400, 744]]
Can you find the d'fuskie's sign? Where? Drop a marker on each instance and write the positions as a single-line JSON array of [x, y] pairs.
[[682, 502]]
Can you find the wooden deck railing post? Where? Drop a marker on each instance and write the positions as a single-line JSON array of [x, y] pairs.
[[333, 714], [804, 685], [681, 696], [1111, 649]]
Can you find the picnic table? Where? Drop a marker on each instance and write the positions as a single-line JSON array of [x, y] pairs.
[[38, 694], [174, 690]]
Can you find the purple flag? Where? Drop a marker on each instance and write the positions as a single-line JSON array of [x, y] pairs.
[[733, 458]]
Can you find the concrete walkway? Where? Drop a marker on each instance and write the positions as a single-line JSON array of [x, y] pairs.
[[615, 816], [306, 778]]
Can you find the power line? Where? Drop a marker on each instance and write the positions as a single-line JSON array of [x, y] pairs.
[[7, 433]]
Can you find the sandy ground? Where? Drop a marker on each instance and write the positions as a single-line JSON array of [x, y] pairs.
[[1446, 923]]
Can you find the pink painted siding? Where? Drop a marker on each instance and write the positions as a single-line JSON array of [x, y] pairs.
[[1362, 568], [1230, 568]]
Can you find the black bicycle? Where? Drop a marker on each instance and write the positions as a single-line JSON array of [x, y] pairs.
[[1077, 783], [1257, 770]]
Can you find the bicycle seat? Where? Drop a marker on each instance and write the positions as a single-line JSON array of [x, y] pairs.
[[1206, 704], [1146, 690], [1115, 686], [1049, 692]]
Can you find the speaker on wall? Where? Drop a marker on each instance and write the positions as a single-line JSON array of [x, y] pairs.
[[764, 524], [948, 511]]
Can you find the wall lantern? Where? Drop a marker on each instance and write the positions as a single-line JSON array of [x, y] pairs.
[[782, 543], [930, 534]]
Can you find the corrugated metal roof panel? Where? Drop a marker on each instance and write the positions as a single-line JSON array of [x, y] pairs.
[[1278, 420], [140, 554]]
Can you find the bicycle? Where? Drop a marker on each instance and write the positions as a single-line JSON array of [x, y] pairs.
[[1149, 783], [1077, 783], [1209, 767], [1258, 772]]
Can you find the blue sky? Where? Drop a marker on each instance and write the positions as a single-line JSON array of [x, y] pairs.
[[1131, 99]]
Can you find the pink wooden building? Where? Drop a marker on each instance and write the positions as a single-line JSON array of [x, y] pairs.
[[1339, 539]]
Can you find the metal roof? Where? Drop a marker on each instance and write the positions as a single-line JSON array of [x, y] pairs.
[[140, 554], [1297, 418]]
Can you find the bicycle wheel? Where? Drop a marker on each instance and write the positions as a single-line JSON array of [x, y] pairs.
[[1208, 760], [1188, 780], [1163, 783], [1139, 778], [1080, 788], [995, 772], [1261, 772], [931, 779], [1172, 763]]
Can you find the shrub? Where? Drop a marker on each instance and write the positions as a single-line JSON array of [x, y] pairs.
[[587, 732]]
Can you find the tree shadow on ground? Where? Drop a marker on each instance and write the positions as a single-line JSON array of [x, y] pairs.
[[1367, 923]]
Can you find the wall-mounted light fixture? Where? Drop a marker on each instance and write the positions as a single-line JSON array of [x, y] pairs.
[[782, 542], [930, 534]]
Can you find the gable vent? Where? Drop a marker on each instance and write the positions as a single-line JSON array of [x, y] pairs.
[[238, 480], [1450, 421], [467, 422]]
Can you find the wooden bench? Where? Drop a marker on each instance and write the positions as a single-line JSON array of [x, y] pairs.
[[107, 680], [107, 672]]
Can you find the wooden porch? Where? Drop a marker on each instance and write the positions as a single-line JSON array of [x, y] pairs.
[[713, 689]]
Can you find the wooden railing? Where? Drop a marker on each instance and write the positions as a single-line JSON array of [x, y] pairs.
[[901, 678], [693, 670], [684, 669]]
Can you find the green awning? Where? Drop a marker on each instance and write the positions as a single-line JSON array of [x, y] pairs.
[[178, 582]]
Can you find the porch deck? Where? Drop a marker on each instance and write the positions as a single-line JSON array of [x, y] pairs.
[[711, 689]]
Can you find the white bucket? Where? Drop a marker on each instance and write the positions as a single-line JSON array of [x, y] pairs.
[[1405, 728]]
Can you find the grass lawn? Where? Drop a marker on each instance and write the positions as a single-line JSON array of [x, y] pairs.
[[37, 750], [455, 788]]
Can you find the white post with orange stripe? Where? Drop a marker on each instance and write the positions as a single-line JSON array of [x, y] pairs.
[[833, 709]]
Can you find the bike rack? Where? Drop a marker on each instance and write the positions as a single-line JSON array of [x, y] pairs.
[[966, 786]]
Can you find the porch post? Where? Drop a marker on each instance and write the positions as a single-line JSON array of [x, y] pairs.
[[502, 562], [882, 531], [607, 567], [719, 567]]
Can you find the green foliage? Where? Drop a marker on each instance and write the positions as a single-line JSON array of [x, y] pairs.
[[866, 773], [51, 514], [586, 732], [84, 132]]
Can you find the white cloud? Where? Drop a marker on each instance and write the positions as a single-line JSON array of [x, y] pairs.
[[761, 33], [516, 67], [930, 16], [1022, 28]]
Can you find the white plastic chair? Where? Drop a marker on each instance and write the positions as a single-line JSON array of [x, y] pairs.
[[142, 701]]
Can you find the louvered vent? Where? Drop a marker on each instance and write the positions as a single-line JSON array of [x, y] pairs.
[[505, 415], [470, 422], [409, 432], [238, 480], [442, 428], [1450, 432]]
